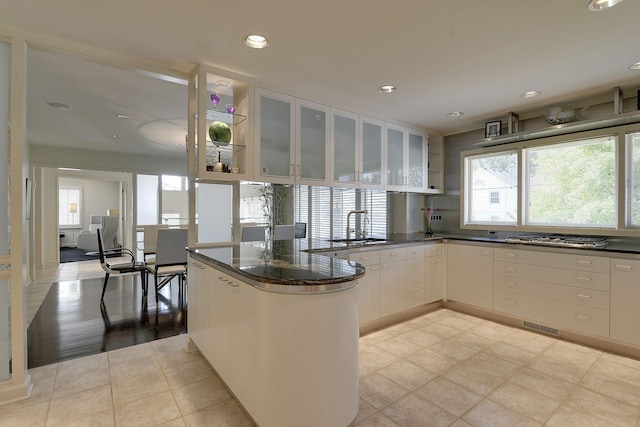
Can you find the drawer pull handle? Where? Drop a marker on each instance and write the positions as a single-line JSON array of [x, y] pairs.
[[485, 252], [583, 296], [511, 302], [232, 284], [434, 262], [510, 255], [365, 258], [623, 267], [385, 266], [583, 279], [511, 284], [511, 268], [374, 267], [583, 317], [582, 262]]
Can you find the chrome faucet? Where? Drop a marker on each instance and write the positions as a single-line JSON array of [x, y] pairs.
[[357, 211]]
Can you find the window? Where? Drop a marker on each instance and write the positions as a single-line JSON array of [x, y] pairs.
[[572, 184], [489, 176], [70, 208], [633, 150]]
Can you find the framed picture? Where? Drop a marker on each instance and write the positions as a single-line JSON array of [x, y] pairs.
[[492, 129]]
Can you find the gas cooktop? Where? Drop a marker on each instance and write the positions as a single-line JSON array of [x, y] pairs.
[[559, 240]]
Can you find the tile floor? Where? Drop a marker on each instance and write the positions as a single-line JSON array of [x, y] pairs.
[[443, 368]]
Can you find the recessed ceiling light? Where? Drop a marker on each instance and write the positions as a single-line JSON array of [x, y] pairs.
[[635, 66], [222, 83], [387, 89], [114, 136], [256, 41], [122, 116], [455, 114], [598, 5], [531, 94], [58, 105]]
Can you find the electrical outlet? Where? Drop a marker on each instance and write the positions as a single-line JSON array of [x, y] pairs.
[[436, 218], [493, 233]]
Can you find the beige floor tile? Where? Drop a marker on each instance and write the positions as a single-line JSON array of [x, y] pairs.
[[379, 391], [140, 352], [177, 357], [82, 365], [482, 373], [187, 373], [432, 361], [510, 353], [24, 416], [491, 331], [200, 395], [100, 419], [421, 338], [174, 423], [70, 384], [566, 416], [461, 323], [525, 402], [43, 373], [133, 367], [452, 397], [377, 420], [452, 349], [546, 385], [377, 337], [440, 314], [563, 364], [399, 346], [460, 423], [622, 360], [407, 374], [364, 411], [490, 414], [72, 407], [419, 322], [603, 407], [615, 380], [227, 413], [399, 329], [171, 344], [529, 341], [440, 330], [413, 411], [150, 411], [373, 358], [472, 340], [136, 387]]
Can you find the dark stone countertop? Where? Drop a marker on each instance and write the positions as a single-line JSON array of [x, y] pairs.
[[283, 266]]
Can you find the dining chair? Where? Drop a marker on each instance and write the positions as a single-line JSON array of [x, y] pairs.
[[150, 241], [121, 267], [253, 233], [171, 258], [284, 232]]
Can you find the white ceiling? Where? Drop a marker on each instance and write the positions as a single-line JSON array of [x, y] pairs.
[[454, 55]]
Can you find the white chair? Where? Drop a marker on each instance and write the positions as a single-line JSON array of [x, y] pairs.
[[108, 225], [284, 232], [171, 258], [253, 233], [150, 241]]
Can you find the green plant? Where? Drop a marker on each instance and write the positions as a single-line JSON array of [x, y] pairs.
[[273, 198]]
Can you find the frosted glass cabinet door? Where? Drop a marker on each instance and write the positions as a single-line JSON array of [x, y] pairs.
[[313, 132], [371, 165], [395, 157], [275, 136], [344, 132], [416, 161]]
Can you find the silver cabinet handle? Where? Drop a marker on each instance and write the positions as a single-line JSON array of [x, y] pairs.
[[624, 267], [511, 284], [583, 317], [511, 268], [487, 253], [584, 297], [583, 279], [511, 301], [582, 262], [511, 255]]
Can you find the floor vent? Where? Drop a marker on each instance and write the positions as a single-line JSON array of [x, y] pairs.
[[540, 328]]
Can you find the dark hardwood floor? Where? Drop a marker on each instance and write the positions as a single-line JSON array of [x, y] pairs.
[[72, 323]]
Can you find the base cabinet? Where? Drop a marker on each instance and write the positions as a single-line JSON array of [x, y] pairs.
[[470, 275], [433, 273], [625, 297]]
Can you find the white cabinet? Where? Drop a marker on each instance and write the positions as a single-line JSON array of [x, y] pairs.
[[371, 154], [225, 100], [345, 149], [275, 137], [312, 143], [625, 296], [415, 276], [406, 159], [470, 275], [369, 285], [393, 293], [433, 272], [435, 164]]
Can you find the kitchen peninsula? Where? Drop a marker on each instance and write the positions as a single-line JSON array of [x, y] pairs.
[[280, 327]]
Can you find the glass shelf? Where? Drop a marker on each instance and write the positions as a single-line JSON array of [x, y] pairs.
[[226, 154], [223, 116], [433, 153]]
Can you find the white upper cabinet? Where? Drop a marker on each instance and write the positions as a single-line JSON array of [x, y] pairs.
[[275, 137], [312, 135], [406, 159], [371, 155], [435, 165], [345, 149]]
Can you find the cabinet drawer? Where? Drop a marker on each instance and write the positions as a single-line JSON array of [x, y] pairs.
[[416, 251], [433, 250], [572, 294], [562, 315], [366, 257], [560, 276], [415, 282], [415, 298], [415, 266], [552, 259], [392, 255]]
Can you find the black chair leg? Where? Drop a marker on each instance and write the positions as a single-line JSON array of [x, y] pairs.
[[143, 283], [104, 286]]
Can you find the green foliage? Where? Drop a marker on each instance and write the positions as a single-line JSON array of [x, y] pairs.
[[273, 198]]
